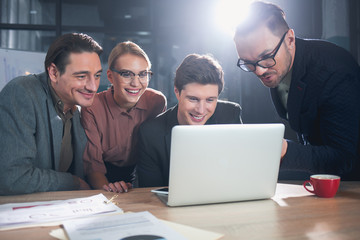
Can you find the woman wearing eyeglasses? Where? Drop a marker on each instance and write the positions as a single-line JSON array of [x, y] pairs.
[[111, 123]]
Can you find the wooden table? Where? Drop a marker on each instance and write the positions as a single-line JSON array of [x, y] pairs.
[[292, 214]]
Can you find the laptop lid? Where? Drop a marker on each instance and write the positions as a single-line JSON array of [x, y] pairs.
[[224, 163]]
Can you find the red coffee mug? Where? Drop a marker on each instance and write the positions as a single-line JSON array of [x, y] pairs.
[[324, 185]]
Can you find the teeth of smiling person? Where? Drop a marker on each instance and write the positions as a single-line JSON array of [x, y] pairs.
[[197, 117], [132, 91]]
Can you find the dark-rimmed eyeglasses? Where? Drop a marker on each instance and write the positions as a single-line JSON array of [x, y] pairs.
[[129, 76], [267, 61]]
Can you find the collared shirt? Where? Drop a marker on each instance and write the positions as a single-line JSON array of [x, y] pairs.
[[283, 89], [112, 131], [66, 154]]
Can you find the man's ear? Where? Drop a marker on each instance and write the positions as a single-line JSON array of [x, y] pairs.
[[291, 38], [53, 73], [177, 93]]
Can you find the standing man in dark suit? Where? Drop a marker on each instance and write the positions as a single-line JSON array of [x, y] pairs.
[[41, 138], [198, 82], [315, 85]]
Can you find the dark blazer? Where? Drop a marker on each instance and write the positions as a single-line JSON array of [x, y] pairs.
[[153, 149], [324, 109], [30, 139]]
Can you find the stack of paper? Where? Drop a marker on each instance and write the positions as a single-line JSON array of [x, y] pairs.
[[95, 217], [142, 225], [15, 215]]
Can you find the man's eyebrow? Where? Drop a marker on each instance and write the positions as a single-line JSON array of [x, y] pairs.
[[127, 70], [86, 72], [191, 96], [212, 98], [81, 72], [266, 52], [260, 56]]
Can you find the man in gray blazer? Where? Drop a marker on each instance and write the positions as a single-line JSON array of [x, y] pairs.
[[41, 138], [198, 82]]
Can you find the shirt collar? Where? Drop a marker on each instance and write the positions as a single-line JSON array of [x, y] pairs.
[[59, 105], [285, 83], [114, 109]]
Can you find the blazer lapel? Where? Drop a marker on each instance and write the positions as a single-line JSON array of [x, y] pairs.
[[297, 90], [168, 143], [277, 103], [56, 126], [295, 99], [171, 121], [79, 142]]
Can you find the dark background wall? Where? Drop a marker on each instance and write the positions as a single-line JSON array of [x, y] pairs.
[[168, 30]]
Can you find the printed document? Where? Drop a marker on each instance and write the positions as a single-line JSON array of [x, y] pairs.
[[13, 214], [141, 225]]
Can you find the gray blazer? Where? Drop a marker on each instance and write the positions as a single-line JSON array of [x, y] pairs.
[[30, 139]]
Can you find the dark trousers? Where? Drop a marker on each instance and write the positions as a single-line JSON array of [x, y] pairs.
[[116, 174]]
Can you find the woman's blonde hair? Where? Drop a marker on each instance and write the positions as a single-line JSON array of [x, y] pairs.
[[127, 47]]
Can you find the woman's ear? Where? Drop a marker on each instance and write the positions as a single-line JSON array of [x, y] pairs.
[[110, 76]]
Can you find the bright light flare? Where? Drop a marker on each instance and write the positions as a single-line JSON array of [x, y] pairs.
[[229, 13]]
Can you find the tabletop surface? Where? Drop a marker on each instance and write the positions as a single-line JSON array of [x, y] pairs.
[[292, 213]]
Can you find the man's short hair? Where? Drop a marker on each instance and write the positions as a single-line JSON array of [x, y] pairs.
[[202, 69], [60, 49], [127, 47], [260, 13]]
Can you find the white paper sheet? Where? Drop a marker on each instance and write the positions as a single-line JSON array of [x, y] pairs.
[[141, 225], [13, 214]]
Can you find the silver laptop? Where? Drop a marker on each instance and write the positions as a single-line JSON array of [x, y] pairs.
[[223, 163]]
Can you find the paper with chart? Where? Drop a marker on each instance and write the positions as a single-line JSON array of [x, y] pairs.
[[13, 214], [141, 225]]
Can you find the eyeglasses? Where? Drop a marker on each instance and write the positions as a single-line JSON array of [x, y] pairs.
[[266, 62], [129, 76]]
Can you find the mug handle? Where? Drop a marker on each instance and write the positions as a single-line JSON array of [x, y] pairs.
[[308, 181]]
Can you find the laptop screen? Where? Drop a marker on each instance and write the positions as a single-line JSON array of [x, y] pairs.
[[224, 163]]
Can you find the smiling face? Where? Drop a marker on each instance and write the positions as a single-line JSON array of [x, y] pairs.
[[196, 103], [80, 81], [260, 43], [126, 95]]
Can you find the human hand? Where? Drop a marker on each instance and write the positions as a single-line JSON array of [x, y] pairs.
[[118, 187], [284, 148], [83, 185]]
